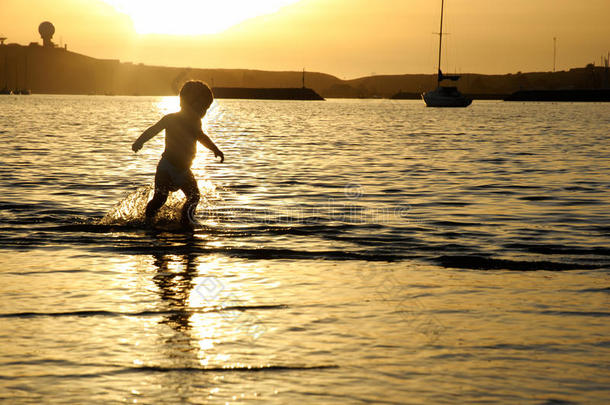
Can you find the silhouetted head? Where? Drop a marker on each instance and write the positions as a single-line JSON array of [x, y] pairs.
[[197, 96]]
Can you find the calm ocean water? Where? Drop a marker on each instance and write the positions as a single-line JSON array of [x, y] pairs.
[[348, 252]]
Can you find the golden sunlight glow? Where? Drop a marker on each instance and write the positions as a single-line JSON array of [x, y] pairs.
[[193, 17], [169, 104]]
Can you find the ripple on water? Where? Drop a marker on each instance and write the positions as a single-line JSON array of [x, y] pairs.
[[346, 251]]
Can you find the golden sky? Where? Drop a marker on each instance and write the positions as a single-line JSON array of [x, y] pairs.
[[346, 38]]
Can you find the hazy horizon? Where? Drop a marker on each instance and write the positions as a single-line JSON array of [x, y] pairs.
[[344, 38]]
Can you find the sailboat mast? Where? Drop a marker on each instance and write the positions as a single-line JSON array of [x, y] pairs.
[[440, 41]]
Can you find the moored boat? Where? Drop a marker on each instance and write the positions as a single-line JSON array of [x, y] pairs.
[[445, 96]]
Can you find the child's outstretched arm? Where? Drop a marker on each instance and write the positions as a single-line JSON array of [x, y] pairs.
[[207, 142], [148, 134]]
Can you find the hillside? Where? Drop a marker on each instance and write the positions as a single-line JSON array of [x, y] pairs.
[[58, 71]]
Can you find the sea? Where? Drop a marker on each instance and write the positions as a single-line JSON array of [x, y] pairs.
[[346, 251]]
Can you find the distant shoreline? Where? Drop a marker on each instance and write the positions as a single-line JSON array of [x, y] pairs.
[[574, 95], [45, 70], [262, 93]]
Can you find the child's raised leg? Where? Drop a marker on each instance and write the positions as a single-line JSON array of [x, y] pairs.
[[162, 188], [156, 203]]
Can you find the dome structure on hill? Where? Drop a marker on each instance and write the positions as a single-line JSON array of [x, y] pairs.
[[46, 30]]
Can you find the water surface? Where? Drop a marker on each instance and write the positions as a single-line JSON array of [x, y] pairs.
[[349, 251]]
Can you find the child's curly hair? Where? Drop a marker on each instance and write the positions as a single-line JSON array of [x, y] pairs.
[[195, 92]]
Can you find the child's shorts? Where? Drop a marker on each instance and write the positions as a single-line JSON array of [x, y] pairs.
[[171, 178]]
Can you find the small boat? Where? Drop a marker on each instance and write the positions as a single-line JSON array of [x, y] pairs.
[[445, 96]]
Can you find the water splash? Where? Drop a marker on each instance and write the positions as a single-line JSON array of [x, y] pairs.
[[130, 211]]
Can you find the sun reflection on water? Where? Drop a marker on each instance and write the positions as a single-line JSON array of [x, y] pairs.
[[169, 104], [204, 307]]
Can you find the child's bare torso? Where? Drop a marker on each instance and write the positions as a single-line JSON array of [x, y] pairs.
[[181, 136]]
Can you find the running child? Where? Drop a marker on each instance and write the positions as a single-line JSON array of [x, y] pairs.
[[182, 131]]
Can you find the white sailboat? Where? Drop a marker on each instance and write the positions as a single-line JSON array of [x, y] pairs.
[[445, 96]]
